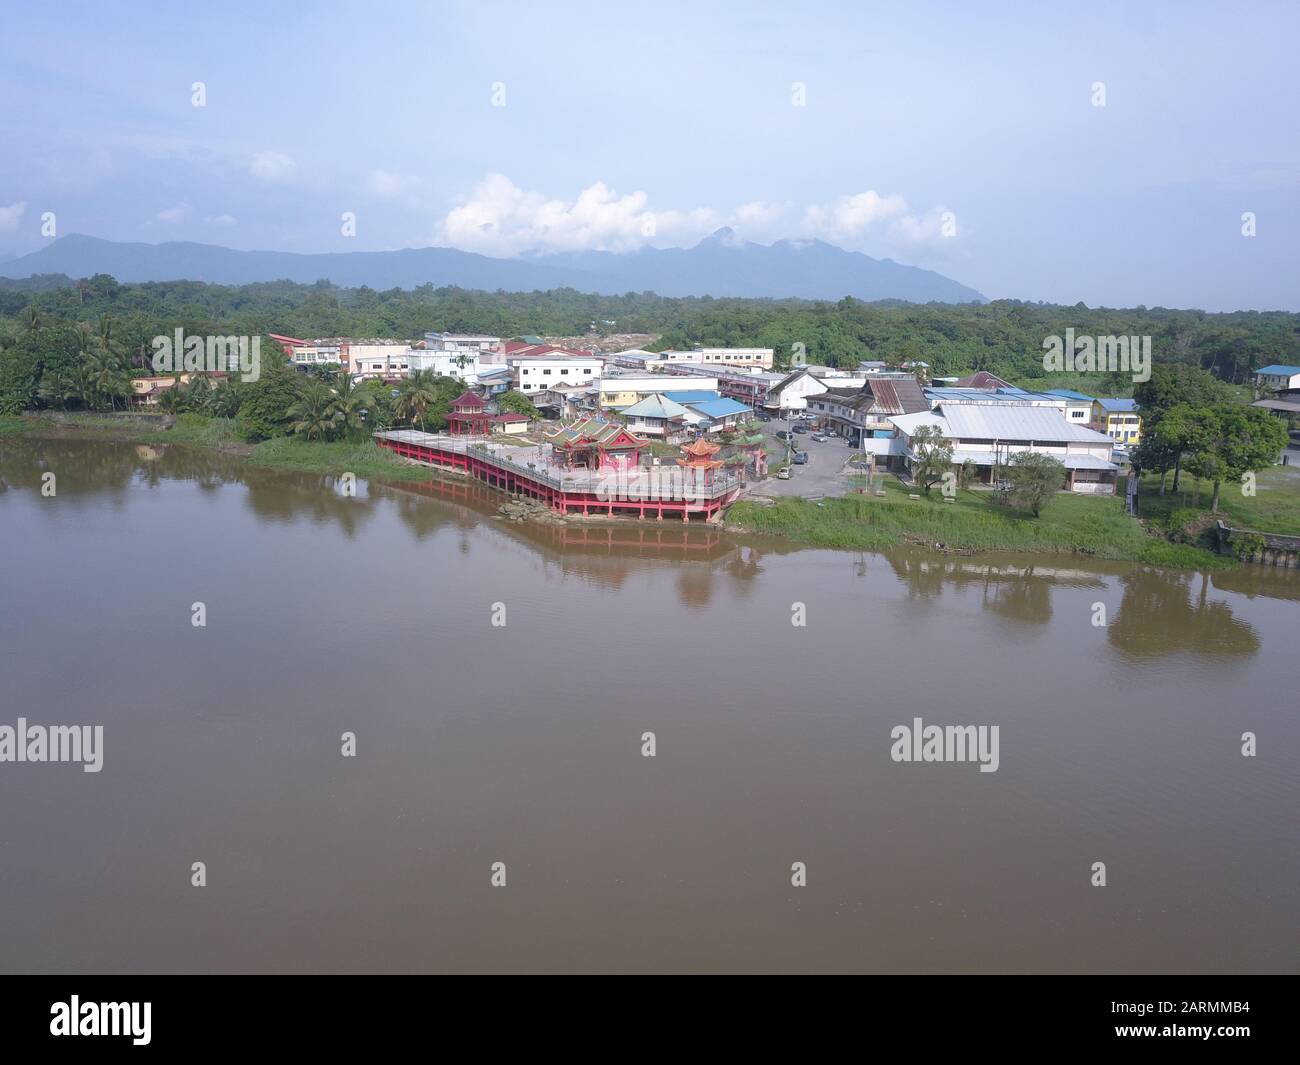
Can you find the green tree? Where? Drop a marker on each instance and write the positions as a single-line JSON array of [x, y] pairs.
[[1235, 440], [931, 456], [310, 415], [1178, 431], [1035, 479], [517, 403], [348, 404], [264, 403], [415, 395]]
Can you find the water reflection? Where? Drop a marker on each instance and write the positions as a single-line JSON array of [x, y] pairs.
[[1164, 612], [1160, 613], [1019, 591]]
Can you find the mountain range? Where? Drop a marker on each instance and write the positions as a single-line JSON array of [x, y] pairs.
[[720, 265]]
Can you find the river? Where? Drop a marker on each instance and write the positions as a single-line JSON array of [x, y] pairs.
[[522, 743]]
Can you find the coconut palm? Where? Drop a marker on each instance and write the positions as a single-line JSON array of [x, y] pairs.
[[106, 375], [31, 318], [349, 404], [414, 397], [223, 400], [173, 400], [310, 416]]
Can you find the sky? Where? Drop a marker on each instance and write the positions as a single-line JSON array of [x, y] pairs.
[[1114, 154]]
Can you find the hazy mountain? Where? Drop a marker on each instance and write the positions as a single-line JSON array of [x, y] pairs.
[[720, 265]]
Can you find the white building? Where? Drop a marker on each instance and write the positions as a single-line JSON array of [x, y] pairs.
[[533, 373], [462, 364], [989, 434], [318, 355], [792, 393], [378, 360], [757, 357], [459, 342]]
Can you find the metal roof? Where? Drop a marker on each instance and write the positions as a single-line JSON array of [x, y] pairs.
[[1279, 371], [656, 406], [718, 408], [1008, 422], [1120, 405]]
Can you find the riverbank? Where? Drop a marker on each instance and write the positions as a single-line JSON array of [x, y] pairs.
[[1097, 526], [362, 458], [1094, 526]]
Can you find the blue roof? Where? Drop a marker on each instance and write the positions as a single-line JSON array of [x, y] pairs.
[[1280, 371], [698, 395], [718, 408], [1118, 405], [1065, 393]]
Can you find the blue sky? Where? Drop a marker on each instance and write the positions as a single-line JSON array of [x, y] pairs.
[[655, 123]]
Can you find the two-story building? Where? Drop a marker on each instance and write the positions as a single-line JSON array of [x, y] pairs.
[[539, 367], [1119, 419], [858, 414]]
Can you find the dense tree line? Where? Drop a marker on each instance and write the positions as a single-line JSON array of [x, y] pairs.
[[1005, 337]]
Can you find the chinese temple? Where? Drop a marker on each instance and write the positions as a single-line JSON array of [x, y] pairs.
[[469, 416], [699, 455], [595, 444]]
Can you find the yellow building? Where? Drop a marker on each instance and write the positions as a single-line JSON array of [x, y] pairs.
[[1119, 419]]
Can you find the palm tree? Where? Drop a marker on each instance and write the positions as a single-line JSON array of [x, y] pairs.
[[349, 403], [31, 318], [105, 372], [311, 414], [223, 400], [173, 399], [415, 395]]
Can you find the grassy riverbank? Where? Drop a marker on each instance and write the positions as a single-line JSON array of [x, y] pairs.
[[1274, 507], [362, 458], [1096, 526]]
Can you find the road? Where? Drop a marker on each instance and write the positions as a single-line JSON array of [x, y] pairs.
[[822, 475]]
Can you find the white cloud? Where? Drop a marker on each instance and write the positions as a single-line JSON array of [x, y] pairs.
[[271, 167], [173, 215], [390, 185], [11, 215], [850, 216], [500, 218], [220, 220]]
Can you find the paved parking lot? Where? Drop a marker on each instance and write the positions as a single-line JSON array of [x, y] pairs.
[[823, 475]]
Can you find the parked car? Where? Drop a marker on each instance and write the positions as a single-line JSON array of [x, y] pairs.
[[821, 438], [799, 429], [783, 473], [800, 457], [783, 434]]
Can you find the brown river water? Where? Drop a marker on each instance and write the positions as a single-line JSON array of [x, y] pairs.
[[522, 743]]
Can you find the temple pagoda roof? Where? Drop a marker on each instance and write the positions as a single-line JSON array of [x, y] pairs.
[[701, 448], [594, 430], [469, 399]]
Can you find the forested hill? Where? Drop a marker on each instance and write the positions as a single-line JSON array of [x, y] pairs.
[[1004, 336]]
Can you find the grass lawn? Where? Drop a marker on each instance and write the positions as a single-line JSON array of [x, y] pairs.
[[364, 458], [1093, 525], [1275, 507]]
